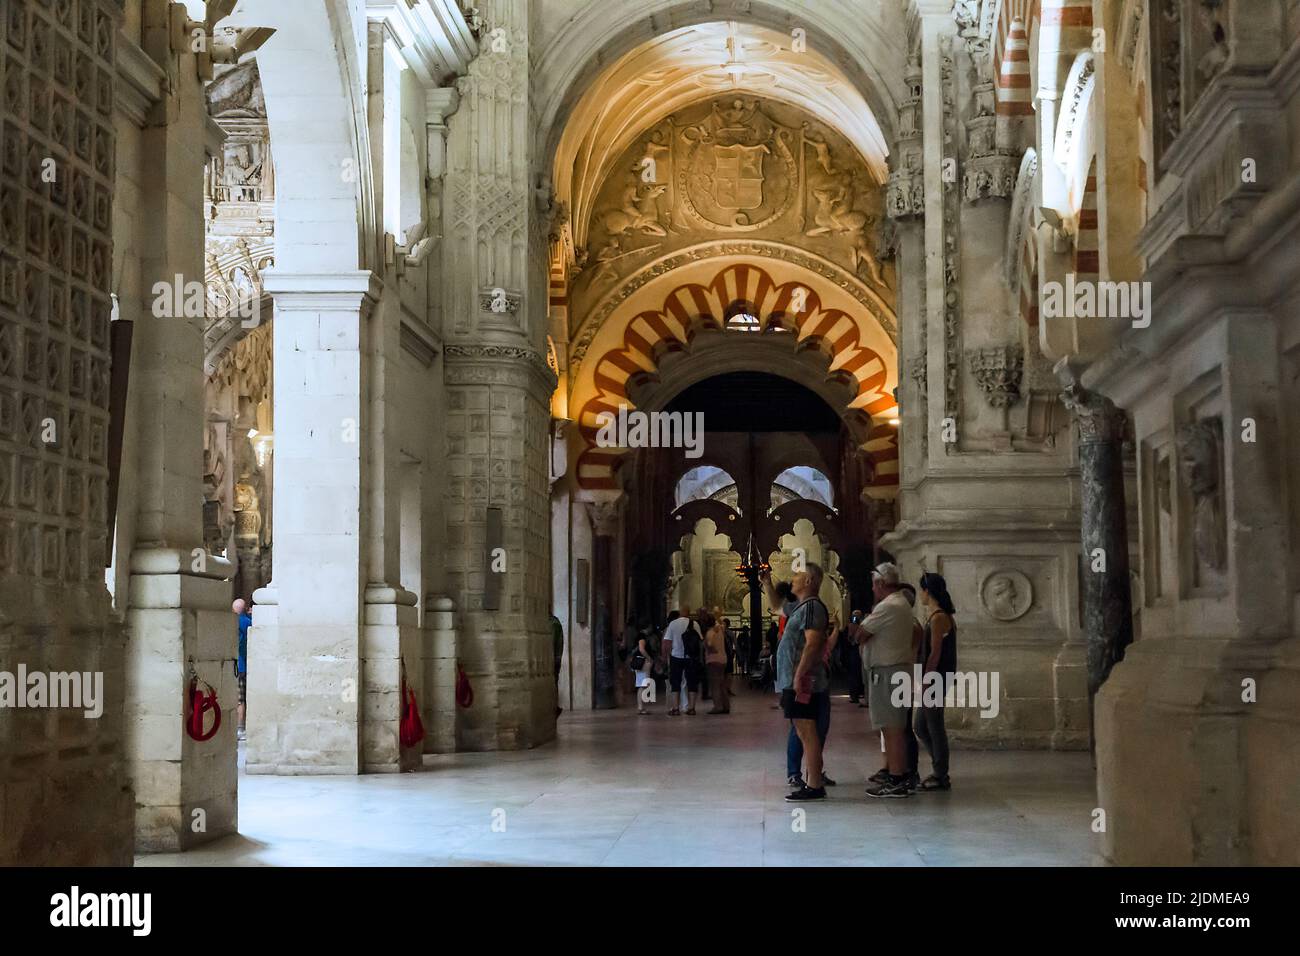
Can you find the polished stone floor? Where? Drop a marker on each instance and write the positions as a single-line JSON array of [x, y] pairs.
[[618, 789]]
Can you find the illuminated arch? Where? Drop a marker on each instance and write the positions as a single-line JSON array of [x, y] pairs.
[[632, 341]]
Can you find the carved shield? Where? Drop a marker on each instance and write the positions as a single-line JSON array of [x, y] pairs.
[[738, 176]]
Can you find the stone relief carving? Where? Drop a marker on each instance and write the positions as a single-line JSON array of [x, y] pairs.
[[951, 218], [1167, 47], [905, 193], [998, 371], [734, 165], [919, 371], [1200, 461], [1215, 38], [1007, 594]]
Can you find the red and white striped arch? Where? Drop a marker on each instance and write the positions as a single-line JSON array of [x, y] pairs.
[[666, 314]]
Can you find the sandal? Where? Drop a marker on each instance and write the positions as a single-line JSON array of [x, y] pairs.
[[936, 783]]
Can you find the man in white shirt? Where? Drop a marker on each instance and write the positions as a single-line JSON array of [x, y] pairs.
[[888, 632], [678, 666]]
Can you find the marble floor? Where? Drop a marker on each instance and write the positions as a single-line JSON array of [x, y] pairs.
[[618, 789]]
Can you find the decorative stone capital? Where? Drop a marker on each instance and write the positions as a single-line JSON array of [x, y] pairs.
[[998, 371], [605, 514], [1100, 421]]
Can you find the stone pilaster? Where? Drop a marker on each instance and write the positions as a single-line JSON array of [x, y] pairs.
[[605, 516], [307, 693]]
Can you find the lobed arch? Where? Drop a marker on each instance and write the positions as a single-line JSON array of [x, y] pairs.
[[668, 313]]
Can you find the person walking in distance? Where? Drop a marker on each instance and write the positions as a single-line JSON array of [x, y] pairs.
[[938, 654], [557, 646], [244, 620], [715, 659], [802, 676]]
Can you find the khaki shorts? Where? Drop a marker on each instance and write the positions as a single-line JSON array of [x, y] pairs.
[[880, 690]]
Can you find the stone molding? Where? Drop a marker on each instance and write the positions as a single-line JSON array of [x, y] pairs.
[[497, 364], [316, 292]]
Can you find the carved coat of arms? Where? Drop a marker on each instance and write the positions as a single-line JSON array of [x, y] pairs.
[[738, 176], [737, 169]]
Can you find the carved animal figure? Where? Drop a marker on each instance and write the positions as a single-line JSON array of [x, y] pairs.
[[639, 212], [836, 215]]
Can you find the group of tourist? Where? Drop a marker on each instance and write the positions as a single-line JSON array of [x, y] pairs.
[[889, 642], [696, 651], [883, 647]]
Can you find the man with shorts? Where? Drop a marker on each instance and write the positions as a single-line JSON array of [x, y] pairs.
[[888, 631], [801, 675], [679, 664]]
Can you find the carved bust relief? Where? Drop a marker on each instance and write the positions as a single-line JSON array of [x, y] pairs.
[[1007, 594]]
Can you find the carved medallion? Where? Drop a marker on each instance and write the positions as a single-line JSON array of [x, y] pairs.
[[1007, 594]]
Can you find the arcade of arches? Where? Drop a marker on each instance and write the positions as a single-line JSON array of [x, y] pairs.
[[329, 300]]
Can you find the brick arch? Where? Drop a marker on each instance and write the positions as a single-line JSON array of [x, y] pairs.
[[693, 307]]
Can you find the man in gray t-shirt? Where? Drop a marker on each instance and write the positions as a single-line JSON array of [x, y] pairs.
[[801, 675]]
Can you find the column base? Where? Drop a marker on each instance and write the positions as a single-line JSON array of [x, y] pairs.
[[186, 791], [1188, 773]]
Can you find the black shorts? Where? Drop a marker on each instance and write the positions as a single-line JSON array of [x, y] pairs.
[[793, 710], [679, 667]]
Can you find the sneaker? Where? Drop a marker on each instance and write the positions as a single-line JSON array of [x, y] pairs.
[[913, 780], [806, 793], [880, 776], [827, 781], [936, 783], [894, 787], [796, 781]]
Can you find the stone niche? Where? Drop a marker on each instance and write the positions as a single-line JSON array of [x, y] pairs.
[[733, 167]]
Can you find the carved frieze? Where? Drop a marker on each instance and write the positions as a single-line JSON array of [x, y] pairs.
[[905, 193]]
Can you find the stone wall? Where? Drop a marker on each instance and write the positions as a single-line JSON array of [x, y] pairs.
[[64, 793]]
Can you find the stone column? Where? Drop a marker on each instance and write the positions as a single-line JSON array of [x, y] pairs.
[[498, 406], [305, 670], [605, 519], [178, 602], [498, 389], [1106, 601]]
